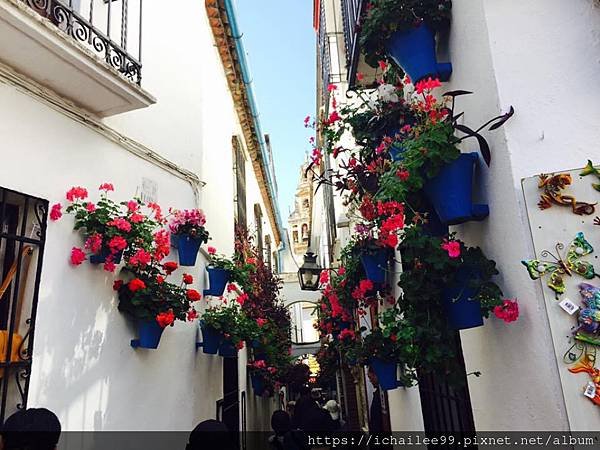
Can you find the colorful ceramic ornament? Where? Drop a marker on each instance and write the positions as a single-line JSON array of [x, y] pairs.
[[589, 169], [559, 267], [552, 195], [589, 317], [586, 365]]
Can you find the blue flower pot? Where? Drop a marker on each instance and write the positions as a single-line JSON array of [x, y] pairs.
[[386, 373], [217, 280], [462, 312], [375, 262], [258, 384], [414, 51], [450, 192], [150, 332], [227, 349], [434, 226], [187, 247], [211, 339], [100, 258], [396, 152]]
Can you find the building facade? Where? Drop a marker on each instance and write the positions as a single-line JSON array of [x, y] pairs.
[[96, 92], [504, 67]]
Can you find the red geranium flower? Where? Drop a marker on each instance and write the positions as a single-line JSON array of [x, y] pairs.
[[170, 267], [77, 192], [187, 278], [165, 318], [193, 295], [136, 284], [77, 256], [55, 212], [106, 187], [117, 284]]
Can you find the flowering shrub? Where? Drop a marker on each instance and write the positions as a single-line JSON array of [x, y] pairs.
[[110, 228], [189, 222], [146, 294], [230, 321]]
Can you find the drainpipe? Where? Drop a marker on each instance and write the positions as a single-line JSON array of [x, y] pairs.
[[246, 78]]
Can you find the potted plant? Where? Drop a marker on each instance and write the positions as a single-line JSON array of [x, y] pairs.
[[154, 303], [432, 162], [262, 377], [405, 31], [189, 233], [110, 229], [386, 346], [228, 321], [220, 270]]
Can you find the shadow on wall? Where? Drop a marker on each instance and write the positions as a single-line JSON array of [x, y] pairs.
[[85, 370]]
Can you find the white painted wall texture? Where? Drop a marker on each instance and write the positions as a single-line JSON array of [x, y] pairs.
[[83, 366]]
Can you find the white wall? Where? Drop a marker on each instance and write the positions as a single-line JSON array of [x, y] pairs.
[[541, 57], [83, 366]]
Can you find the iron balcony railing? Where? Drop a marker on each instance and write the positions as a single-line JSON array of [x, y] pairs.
[[351, 13], [84, 20]]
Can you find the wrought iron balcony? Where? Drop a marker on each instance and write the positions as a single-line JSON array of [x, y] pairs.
[[84, 22], [351, 13]]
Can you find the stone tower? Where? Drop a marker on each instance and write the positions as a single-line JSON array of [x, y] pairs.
[[300, 219]]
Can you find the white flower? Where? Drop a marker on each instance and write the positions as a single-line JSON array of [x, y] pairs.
[[387, 93]]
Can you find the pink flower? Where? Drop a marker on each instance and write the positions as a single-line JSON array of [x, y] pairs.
[[132, 206], [508, 311], [333, 117], [162, 241], [76, 192], [260, 364], [140, 258], [90, 207], [77, 256], [242, 299], [109, 265], [341, 271], [165, 318], [157, 210], [427, 85], [120, 224], [191, 217], [382, 65], [453, 248], [212, 250], [332, 87], [261, 321], [324, 278], [231, 287], [117, 243], [136, 218], [94, 243], [360, 76], [306, 121], [317, 156], [55, 212], [346, 333], [106, 187], [192, 315], [403, 174]]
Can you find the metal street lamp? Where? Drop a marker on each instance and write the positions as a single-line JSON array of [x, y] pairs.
[[309, 273]]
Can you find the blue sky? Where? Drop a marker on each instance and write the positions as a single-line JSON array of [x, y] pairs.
[[280, 42]]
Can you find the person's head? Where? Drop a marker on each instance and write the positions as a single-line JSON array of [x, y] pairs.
[[373, 377], [291, 406], [304, 391], [280, 422], [333, 409], [315, 394], [33, 428], [209, 435]]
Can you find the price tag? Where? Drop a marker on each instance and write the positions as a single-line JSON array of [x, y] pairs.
[[590, 390], [568, 306]]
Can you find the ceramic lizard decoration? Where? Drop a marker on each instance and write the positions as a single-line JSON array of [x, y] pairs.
[[552, 195]]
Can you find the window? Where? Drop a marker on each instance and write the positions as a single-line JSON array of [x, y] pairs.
[[295, 236], [22, 237], [239, 168], [304, 232], [259, 235], [305, 203]]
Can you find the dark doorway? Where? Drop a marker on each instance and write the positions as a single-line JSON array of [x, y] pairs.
[[230, 409], [447, 408]]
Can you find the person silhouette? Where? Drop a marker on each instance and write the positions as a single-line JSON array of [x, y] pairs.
[[33, 429]]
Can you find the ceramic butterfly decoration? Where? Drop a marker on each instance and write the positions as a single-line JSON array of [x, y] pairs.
[[559, 267]]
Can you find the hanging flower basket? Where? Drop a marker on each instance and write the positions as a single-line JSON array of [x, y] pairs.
[[258, 384], [414, 51], [227, 349], [450, 192], [375, 261], [461, 310], [386, 373], [187, 247], [217, 280], [211, 339], [150, 332]]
